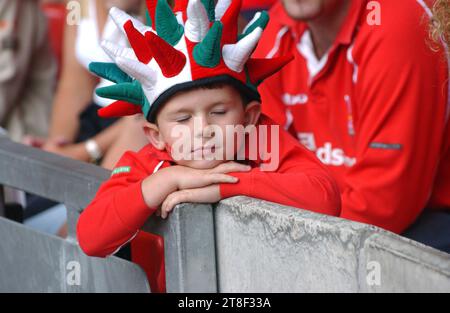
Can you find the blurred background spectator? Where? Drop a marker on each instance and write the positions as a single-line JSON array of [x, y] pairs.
[[76, 131], [27, 69]]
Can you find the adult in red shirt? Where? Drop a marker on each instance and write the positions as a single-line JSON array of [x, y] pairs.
[[369, 95]]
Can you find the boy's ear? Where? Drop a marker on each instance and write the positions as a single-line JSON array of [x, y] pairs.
[[153, 135], [252, 113]]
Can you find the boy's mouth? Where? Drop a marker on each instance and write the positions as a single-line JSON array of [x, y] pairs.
[[204, 151]]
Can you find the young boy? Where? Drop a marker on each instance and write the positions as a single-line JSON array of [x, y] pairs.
[[195, 85]]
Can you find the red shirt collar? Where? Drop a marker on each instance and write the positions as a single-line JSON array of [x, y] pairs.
[[345, 34]]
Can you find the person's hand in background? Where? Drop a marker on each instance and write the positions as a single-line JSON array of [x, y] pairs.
[[74, 151], [43, 143]]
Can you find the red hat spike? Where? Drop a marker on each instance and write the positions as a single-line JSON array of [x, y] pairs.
[[170, 60], [119, 109], [138, 43], [230, 22], [180, 6], [260, 69], [151, 7]]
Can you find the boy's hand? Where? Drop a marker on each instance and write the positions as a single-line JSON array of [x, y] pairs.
[[157, 187], [200, 186], [209, 194], [189, 178]]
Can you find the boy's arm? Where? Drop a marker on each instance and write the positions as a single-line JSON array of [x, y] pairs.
[[118, 211], [124, 203], [310, 190], [301, 186], [300, 181]]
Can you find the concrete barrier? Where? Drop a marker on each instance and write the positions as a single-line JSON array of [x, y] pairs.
[[405, 265], [189, 248], [264, 247]]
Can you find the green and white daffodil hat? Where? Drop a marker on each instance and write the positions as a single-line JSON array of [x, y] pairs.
[[193, 44]]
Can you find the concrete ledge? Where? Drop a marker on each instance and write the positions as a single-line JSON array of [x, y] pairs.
[[405, 265], [189, 248], [264, 247], [36, 262]]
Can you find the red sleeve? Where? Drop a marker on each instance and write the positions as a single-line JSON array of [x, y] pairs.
[[118, 211], [400, 107], [301, 181]]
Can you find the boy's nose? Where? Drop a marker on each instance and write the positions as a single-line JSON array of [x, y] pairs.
[[203, 129], [206, 132], [209, 132]]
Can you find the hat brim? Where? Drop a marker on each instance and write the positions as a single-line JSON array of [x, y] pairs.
[[250, 93]]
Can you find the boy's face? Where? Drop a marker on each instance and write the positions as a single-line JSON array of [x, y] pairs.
[[192, 126]]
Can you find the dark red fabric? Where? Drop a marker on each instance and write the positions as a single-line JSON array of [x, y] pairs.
[[147, 250]]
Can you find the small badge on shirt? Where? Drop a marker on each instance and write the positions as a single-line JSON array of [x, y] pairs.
[[121, 170], [385, 146]]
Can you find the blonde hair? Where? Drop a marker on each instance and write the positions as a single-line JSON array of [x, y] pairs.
[[440, 29]]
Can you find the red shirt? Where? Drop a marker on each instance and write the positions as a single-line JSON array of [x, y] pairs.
[[118, 211], [374, 110]]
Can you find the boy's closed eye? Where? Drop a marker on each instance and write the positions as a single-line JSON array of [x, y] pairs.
[[219, 109], [186, 118], [219, 112], [182, 119]]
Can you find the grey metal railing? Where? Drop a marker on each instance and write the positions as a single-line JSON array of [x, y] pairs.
[[188, 234]]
